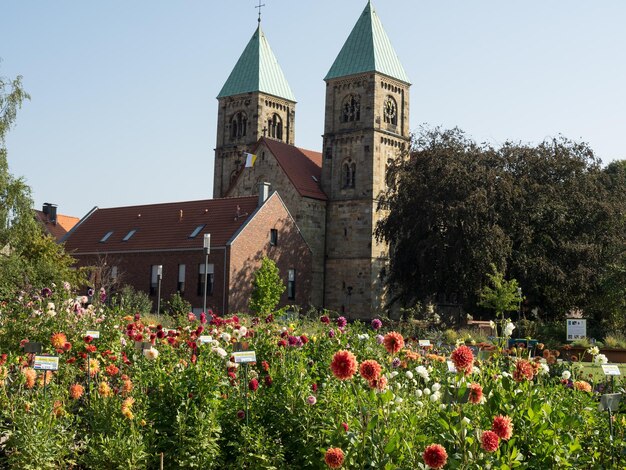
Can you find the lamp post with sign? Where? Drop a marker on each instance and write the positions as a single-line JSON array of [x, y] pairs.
[[207, 249], [159, 277]]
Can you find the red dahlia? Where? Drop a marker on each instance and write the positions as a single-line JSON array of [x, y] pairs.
[[393, 342], [503, 427], [343, 365], [490, 441], [463, 359], [334, 457], [435, 456], [370, 370], [523, 371]]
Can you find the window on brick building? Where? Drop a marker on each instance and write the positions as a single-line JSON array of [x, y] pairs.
[[196, 231], [181, 278], [291, 284], [210, 277], [154, 279], [273, 237]]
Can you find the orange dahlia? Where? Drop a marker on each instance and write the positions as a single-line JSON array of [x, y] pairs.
[[58, 340], [503, 427], [393, 342], [582, 386], [379, 384], [76, 391], [435, 456], [475, 393], [334, 457], [30, 375], [104, 389], [344, 365], [370, 369]]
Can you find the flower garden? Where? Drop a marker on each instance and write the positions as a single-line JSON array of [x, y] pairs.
[[320, 393]]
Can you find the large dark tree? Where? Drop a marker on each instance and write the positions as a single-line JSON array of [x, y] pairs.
[[547, 215]]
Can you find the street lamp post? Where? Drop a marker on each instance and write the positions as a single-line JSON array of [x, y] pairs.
[[159, 277], [207, 250]]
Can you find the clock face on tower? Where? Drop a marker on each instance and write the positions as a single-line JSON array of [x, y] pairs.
[[390, 110]]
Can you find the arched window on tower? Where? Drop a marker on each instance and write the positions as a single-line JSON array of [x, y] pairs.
[[348, 174], [275, 127], [351, 108], [390, 111], [238, 125]]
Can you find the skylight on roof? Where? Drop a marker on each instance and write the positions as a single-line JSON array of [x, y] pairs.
[[129, 234], [106, 236], [197, 230]]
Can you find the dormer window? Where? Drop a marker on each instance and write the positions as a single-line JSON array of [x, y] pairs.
[[129, 235], [197, 230], [106, 236]]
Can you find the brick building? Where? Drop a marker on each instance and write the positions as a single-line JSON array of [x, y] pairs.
[[331, 194], [133, 241]]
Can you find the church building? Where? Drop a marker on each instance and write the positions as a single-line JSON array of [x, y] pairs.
[[332, 194], [325, 203]]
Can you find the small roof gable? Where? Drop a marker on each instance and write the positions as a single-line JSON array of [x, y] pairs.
[[64, 224], [167, 226], [302, 167], [257, 70], [368, 49]]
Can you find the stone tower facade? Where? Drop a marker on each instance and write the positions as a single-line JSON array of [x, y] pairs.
[[256, 101], [366, 125]]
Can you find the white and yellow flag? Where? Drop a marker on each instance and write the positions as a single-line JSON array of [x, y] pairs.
[[250, 159]]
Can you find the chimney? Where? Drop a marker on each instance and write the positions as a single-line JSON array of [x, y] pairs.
[[264, 192], [51, 211]]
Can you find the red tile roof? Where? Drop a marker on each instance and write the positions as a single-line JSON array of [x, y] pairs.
[[302, 167], [160, 226], [63, 224]]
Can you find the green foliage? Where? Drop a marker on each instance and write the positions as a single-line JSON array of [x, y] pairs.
[[548, 212], [267, 288], [500, 295], [177, 306], [132, 300]]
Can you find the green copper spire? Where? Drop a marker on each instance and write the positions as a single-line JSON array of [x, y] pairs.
[[257, 70], [367, 49]]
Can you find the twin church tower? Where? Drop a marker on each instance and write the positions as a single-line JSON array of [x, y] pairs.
[[331, 194]]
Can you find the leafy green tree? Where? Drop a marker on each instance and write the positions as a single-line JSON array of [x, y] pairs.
[[27, 256], [548, 213], [500, 295], [267, 288]]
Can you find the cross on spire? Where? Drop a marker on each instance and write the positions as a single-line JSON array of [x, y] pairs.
[[259, 6]]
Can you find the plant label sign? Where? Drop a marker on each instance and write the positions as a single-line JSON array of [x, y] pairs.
[[46, 363], [576, 329], [424, 343], [611, 369], [243, 357], [94, 334], [451, 367], [205, 339]]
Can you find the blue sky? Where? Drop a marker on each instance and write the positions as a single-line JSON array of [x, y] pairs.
[[123, 107]]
